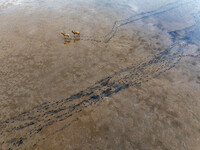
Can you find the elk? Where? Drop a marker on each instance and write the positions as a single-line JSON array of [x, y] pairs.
[[76, 32], [65, 34]]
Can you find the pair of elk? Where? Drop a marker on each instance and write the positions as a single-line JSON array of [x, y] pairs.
[[68, 35]]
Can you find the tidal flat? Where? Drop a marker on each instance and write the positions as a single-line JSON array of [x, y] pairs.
[[130, 81]]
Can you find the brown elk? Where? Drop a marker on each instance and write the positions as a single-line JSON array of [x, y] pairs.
[[65, 34], [76, 32]]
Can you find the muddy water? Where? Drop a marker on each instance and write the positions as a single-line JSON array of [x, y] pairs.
[[130, 81]]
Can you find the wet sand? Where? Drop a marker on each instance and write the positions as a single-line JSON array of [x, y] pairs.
[[131, 81]]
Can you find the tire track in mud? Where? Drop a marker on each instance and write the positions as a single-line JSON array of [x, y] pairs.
[[27, 126]]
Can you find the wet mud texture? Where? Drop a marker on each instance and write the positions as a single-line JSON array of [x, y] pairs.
[[28, 127]]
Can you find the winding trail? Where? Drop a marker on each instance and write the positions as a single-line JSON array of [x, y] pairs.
[[120, 23]]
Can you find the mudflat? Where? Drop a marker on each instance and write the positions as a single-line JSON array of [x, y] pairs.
[[130, 81]]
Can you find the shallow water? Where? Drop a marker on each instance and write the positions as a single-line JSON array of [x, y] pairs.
[[130, 81]]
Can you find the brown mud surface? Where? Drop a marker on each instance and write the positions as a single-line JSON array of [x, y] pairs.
[[130, 81]]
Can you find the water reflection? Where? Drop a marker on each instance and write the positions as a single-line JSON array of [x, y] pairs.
[[68, 40], [4, 3], [76, 39]]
